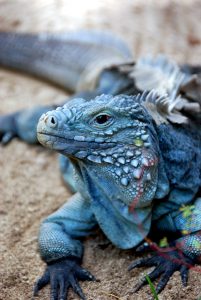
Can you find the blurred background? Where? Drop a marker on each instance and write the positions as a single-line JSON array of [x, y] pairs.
[[30, 184], [169, 26]]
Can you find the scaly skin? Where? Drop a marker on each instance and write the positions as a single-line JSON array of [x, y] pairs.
[[72, 60], [122, 163], [133, 162]]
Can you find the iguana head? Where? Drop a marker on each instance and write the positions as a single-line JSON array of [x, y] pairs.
[[111, 137]]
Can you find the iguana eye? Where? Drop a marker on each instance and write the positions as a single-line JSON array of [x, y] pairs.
[[102, 119]]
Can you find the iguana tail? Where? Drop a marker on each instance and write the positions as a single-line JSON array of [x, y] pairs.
[[71, 60]]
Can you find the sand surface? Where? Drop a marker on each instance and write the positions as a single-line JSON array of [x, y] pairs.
[[30, 182]]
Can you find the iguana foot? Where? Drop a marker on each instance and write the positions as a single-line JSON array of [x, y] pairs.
[[166, 262], [7, 128], [62, 275]]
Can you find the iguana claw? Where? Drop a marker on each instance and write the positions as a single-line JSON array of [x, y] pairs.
[[166, 264], [62, 275]]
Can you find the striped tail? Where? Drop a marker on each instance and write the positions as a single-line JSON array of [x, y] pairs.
[[72, 61]]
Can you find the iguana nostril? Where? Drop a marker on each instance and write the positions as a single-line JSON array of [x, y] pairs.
[[52, 121]]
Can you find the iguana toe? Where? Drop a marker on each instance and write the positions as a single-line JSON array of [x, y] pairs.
[[166, 263]]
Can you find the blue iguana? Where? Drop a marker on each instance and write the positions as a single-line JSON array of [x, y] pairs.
[[130, 150]]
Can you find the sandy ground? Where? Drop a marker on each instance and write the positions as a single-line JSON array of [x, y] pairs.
[[30, 183]]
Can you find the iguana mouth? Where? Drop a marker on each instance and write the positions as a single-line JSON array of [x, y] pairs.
[[40, 133], [52, 141], [56, 141], [70, 145]]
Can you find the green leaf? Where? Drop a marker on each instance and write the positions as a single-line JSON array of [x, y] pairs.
[[163, 242], [152, 287], [187, 210]]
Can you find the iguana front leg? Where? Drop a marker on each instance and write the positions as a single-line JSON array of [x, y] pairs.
[[61, 275], [22, 124], [182, 254], [62, 251]]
